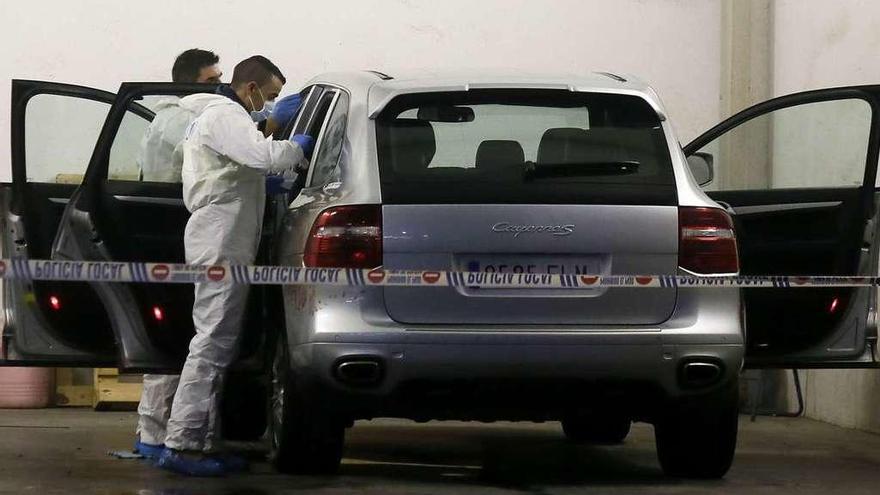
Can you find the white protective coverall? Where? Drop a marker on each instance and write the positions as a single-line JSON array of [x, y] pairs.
[[161, 154], [160, 160], [224, 166], [155, 407]]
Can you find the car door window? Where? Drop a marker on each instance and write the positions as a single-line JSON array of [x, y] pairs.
[[816, 145], [60, 134], [311, 96], [329, 142], [316, 120]]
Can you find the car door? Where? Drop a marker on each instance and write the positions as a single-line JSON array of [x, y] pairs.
[[130, 208], [54, 128], [324, 116], [798, 173]]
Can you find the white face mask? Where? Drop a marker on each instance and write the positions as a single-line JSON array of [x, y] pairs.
[[263, 113]]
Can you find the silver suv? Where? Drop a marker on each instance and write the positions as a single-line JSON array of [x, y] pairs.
[[518, 175], [473, 173]]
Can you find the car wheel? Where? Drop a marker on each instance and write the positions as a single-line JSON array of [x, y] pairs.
[[596, 429], [699, 441], [304, 438]]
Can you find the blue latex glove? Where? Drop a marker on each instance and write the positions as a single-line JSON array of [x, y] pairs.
[[285, 109], [275, 185], [306, 142]]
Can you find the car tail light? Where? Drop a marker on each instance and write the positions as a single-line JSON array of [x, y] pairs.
[[707, 241], [55, 302], [346, 237]]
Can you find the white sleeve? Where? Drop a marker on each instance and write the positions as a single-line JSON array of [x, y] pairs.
[[239, 140]]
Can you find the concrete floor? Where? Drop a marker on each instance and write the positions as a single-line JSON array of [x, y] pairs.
[[64, 451]]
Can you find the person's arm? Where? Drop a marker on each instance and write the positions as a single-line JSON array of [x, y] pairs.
[[285, 111], [239, 140]]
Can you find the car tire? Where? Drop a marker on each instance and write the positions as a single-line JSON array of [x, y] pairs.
[[607, 430], [305, 438], [699, 440]]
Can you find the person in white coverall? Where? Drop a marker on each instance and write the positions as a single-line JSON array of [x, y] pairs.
[[161, 153], [225, 163], [160, 160]]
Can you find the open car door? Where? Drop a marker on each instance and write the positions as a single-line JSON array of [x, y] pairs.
[[54, 128], [798, 174], [130, 208]]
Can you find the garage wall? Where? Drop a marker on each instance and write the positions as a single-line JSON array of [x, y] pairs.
[[816, 46], [672, 43]]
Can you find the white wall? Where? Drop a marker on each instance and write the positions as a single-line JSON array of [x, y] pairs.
[[673, 44], [820, 44]]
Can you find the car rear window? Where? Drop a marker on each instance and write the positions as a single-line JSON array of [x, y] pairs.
[[523, 147]]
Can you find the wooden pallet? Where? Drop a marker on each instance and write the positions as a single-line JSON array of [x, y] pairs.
[[100, 388], [112, 390], [72, 390]]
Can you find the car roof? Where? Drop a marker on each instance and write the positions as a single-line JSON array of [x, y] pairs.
[[381, 87], [420, 78]]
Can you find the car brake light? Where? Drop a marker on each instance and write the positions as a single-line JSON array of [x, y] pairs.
[[158, 313], [707, 241], [55, 303], [346, 237]]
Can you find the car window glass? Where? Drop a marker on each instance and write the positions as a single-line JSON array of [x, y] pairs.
[[311, 95], [60, 135], [147, 150], [317, 119], [503, 146], [814, 145], [332, 138], [499, 122]]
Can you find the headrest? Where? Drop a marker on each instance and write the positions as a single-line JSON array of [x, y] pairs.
[[413, 144], [498, 154]]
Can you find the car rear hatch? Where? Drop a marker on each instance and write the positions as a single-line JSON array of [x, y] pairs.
[[527, 181]]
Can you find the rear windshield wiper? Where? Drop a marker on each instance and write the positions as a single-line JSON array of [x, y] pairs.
[[586, 169]]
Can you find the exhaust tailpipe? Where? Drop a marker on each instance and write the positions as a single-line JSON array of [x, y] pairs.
[[699, 374], [359, 371]]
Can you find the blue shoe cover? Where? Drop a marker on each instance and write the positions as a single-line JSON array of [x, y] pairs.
[[206, 466], [148, 450]]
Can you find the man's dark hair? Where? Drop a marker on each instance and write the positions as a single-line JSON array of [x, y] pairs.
[[257, 68], [190, 63]]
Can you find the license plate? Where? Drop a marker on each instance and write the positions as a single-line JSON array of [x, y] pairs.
[[537, 265]]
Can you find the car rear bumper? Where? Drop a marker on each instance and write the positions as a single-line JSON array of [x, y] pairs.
[[491, 376]]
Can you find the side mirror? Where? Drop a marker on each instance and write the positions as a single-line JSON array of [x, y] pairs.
[[702, 167]]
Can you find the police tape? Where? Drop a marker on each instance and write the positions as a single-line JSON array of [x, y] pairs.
[[166, 273]]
